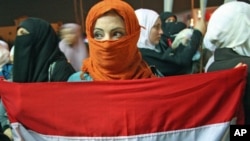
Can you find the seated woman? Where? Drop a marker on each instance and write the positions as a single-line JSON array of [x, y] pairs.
[[113, 53]]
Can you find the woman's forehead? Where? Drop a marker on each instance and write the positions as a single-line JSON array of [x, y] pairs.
[[109, 20]]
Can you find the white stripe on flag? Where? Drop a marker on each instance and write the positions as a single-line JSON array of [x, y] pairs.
[[213, 132]]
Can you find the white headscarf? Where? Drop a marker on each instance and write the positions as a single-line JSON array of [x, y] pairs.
[[77, 52], [229, 27], [4, 56], [147, 19], [4, 44]]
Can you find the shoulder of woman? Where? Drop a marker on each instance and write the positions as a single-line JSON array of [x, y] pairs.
[[60, 70], [76, 77]]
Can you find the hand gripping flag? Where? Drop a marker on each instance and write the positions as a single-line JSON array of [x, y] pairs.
[[197, 107]]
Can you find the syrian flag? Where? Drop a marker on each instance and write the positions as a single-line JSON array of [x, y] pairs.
[[197, 107]]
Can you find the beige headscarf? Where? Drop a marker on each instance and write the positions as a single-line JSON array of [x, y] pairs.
[[229, 27]]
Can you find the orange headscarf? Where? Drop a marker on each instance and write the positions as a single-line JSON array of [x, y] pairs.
[[118, 59]]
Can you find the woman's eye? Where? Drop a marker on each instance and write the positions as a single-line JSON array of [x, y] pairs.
[[118, 35], [158, 26], [98, 35]]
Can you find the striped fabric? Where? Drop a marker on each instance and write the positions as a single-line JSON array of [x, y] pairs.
[[197, 107]]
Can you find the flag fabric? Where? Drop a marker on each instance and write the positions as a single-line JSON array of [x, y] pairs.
[[197, 107]]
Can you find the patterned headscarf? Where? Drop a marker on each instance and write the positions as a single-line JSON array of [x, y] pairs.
[[229, 27], [118, 59]]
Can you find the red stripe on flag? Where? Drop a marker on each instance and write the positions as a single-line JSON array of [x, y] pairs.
[[122, 108]]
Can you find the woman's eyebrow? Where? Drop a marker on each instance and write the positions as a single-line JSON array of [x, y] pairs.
[[98, 29], [118, 28]]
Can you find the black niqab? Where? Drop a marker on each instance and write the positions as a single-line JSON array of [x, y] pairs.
[[35, 52]]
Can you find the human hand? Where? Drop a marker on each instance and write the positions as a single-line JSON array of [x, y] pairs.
[[240, 65], [200, 25]]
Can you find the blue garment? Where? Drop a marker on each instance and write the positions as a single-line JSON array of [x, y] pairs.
[[4, 121], [6, 71], [75, 77]]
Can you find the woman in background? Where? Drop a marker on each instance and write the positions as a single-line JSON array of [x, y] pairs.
[[37, 58], [158, 46], [72, 44], [228, 36]]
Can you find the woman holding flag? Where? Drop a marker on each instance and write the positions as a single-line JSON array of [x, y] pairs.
[[113, 30], [227, 36]]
